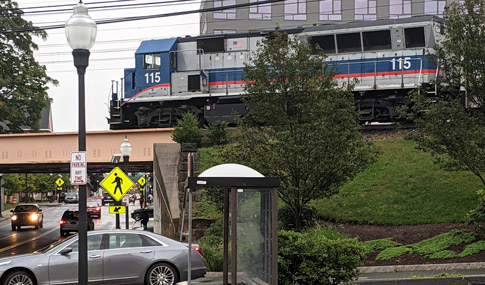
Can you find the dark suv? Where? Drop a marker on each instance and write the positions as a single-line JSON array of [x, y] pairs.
[[107, 199], [69, 222]]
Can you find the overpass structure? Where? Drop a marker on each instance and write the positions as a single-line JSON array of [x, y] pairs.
[[51, 152]]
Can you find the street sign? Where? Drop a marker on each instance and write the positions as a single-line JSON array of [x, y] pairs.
[[59, 188], [117, 183], [117, 209], [59, 182], [78, 168], [142, 189], [141, 181]]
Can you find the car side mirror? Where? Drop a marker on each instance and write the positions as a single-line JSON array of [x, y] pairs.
[[65, 251], [11, 211], [40, 210]]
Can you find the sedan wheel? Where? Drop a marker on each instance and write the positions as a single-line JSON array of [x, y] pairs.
[[19, 278], [161, 274]]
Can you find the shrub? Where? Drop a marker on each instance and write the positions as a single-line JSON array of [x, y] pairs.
[[442, 242], [473, 248], [287, 218], [392, 252], [187, 130], [444, 254], [311, 258], [216, 133], [379, 244], [476, 217], [212, 246]]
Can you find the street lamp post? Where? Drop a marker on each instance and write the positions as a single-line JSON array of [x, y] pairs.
[[81, 34], [125, 150]]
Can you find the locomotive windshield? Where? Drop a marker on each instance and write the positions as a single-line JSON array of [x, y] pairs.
[[414, 37], [377, 40], [151, 61]]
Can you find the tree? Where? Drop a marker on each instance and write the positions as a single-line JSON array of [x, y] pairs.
[[300, 127], [23, 81], [452, 129], [187, 130]]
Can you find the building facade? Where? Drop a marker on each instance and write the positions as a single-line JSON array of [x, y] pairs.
[[303, 13]]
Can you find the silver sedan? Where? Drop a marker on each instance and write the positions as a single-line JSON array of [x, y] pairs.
[[114, 257]]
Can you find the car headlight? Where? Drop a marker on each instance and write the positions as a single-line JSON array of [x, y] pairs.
[[13, 218], [34, 217], [132, 212]]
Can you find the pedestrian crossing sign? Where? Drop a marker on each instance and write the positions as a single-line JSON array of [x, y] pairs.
[[59, 182], [117, 183]]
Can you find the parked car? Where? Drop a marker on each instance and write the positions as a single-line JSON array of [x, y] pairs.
[[71, 197], [69, 222], [115, 256], [94, 209], [27, 215], [138, 214], [106, 198]]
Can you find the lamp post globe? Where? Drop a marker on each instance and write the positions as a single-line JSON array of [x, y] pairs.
[[81, 29], [125, 148], [81, 35]]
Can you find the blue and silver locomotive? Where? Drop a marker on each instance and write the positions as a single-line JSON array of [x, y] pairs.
[[203, 74]]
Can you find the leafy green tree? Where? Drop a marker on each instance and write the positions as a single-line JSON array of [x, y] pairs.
[[187, 130], [23, 81], [216, 133], [451, 128], [300, 127]]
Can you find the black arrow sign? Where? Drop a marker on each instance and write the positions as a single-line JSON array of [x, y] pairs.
[[117, 209]]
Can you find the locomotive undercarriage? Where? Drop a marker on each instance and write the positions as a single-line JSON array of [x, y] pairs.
[[380, 107], [373, 106]]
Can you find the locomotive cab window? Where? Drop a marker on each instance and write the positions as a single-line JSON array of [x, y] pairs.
[[326, 43], [151, 61], [414, 37], [349, 43], [377, 40], [211, 45]]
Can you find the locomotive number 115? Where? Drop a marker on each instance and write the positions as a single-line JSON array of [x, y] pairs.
[[401, 63], [153, 77]]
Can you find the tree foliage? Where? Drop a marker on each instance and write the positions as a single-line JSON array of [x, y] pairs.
[[451, 128], [300, 127], [23, 81], [187, 130]]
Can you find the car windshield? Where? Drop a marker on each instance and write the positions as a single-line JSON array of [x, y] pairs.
[[71, 195], [25, 208]]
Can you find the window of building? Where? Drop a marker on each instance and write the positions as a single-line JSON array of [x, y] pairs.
[[220, 32], [228, 14], [330, 10], [349, 43], [151, 61], [365, 10], [414, 37], [377, 40], [259, 12], [326, 43], [434, 7], [399, 9], [295, 10]]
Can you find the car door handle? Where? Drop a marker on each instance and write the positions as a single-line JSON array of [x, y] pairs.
[[95, 256], [145, 251]]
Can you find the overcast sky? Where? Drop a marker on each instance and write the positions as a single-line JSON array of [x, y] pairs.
[[113, 51]]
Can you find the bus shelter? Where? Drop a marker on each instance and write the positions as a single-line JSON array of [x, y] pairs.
[[250, 222]]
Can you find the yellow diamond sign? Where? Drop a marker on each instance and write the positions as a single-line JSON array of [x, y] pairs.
[[117, 183], [141, 181], [59, 182]]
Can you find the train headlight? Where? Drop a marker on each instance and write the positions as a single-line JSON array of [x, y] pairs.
[[34, 217], [13, 218]]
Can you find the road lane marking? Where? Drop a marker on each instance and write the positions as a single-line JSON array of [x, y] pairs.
[[28, 240]]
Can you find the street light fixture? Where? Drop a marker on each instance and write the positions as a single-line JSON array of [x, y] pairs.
[[81, 35], [125, 150]]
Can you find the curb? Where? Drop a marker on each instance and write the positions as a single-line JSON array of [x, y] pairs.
[[422, 267]]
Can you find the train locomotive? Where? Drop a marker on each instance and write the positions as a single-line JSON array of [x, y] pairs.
[[203, 74]]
